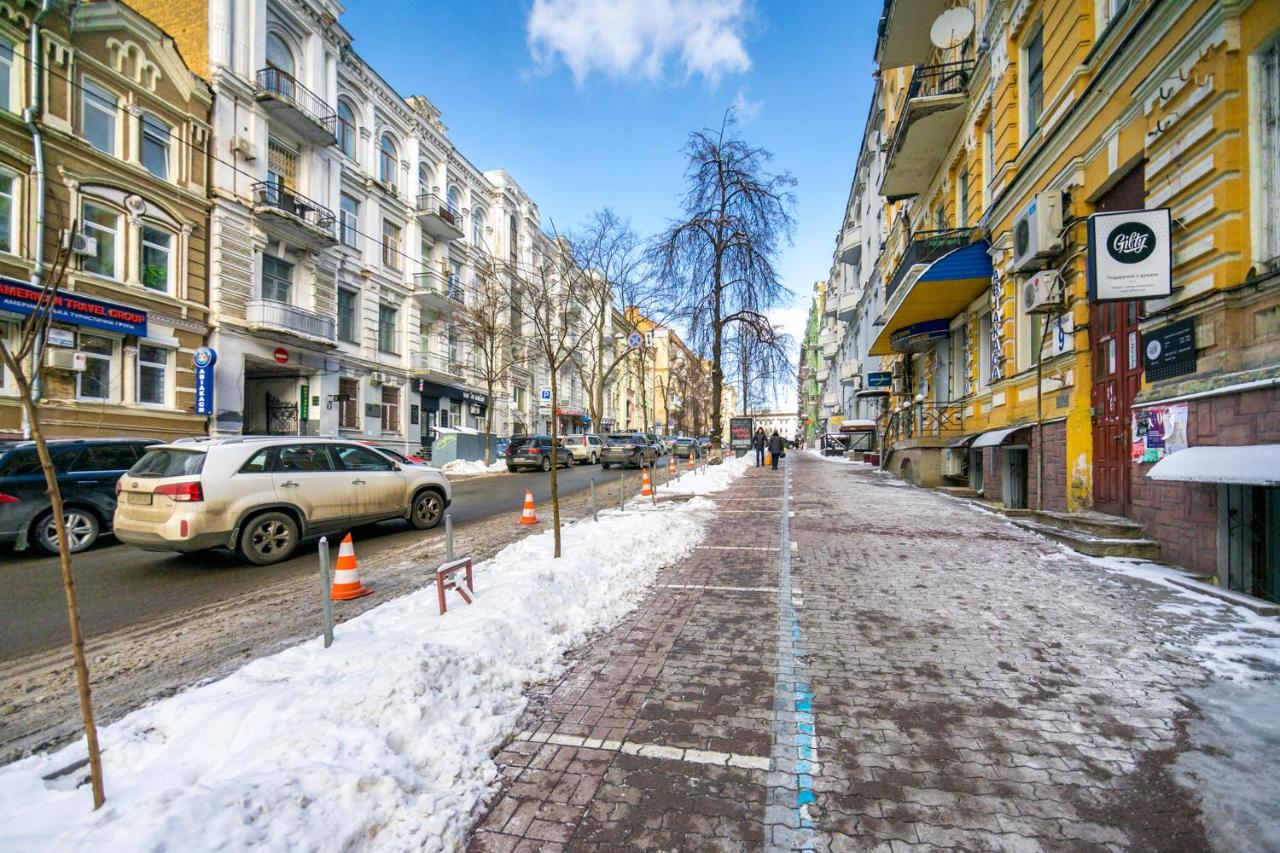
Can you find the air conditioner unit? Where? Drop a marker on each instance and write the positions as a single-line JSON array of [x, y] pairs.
[[242, 146], [899, 369], [855, 382], [82, 244], [1040, 293], [896, 386], [1037, 231], [377, 377], [475, 409], [64, 359]]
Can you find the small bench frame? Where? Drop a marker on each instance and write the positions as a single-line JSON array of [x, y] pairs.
[[446, 579]]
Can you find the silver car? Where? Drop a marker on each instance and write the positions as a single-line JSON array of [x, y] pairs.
[[260, 496]]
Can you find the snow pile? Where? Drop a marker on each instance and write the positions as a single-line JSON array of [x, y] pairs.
[[382, 741], [472, 467], [843, 460], [715, 478]]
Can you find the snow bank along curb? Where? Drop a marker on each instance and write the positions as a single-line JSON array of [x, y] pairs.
[[382, 741], [472, 467]]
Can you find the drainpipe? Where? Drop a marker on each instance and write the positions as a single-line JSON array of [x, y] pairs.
[[31, 115]]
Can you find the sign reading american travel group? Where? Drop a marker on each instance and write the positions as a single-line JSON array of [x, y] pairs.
[[21, 297], [1130, 255]]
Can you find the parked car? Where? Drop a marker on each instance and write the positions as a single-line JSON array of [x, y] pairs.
[[628, 448], [87, 472], [659, 446], [704, 442], [402, 458], [261, 495], [585, 447], [501, 445], [534, 451], [686, 447]]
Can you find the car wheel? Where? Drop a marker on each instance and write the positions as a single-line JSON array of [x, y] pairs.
[[269, 538], [427, 509], [511, 469], [546, 463], [594, 459], [82, 530], [605, 465], [568, 461]]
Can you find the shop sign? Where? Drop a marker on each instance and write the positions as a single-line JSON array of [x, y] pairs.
[[473, 397], [1159, 431], [20, 297], [60, 338], [204, 359], [1170, 350], [304, 403], [879, 379], [1130, 255]]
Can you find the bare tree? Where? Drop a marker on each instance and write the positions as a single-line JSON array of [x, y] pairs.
[[717, 262], [486, 319], [758, 367], [556, 306], [28, 351]]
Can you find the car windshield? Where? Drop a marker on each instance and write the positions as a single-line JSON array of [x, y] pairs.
[[168, 462], [684, 441], [620, 440]]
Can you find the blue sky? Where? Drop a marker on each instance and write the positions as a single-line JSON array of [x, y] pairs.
[[587, 103]]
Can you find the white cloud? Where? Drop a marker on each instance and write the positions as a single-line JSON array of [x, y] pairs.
[[747, 109], [640, 38]]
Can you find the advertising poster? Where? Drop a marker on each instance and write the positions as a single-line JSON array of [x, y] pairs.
[[740, 433], [1159, 431]]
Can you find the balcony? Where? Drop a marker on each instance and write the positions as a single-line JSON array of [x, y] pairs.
[[439, 364], [297, 107], [935, 108], [847, 304], [267, 315], [437, 291], [924, 425], [823, 371], [923, 248], [439, 218], [850, 249], [850, 372], [292, 217], [903, 37]]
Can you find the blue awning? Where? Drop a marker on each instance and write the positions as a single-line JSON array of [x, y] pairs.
[[943, 290], [969, 262]]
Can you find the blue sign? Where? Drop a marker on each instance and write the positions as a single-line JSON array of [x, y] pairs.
[[204, 359], [20, 297], [879, 379], [634, 340], [586, 419]]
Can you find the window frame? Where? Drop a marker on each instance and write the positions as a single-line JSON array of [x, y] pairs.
[[354, 314], [9, 228], [347, 131], [91, 89], [391, 410], [262, 282], [155, 123], [350, 406], [8, 80], [1029, 97], [478, 221], [388, 161], [392, 243], [170, 263], [387, 334], [117, 236], [292, 70], [349, 221], [166, 368], [110, 359]]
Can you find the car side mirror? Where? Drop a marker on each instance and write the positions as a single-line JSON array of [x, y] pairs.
[[395, 466]]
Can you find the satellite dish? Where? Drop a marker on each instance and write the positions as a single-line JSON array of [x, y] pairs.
[[951, 28]]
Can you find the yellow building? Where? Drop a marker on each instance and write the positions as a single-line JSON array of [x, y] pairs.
[[675, 392], [1008, 373]]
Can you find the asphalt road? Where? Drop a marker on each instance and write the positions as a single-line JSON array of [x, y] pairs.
[[118, 585]]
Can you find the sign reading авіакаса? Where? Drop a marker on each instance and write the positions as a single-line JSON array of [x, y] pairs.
[[1130, 256]]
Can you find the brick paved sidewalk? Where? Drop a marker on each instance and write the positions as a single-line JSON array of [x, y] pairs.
[[880, 668]]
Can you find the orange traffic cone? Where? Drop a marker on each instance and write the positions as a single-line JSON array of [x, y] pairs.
[[346, 576], [768, 458], [528, 516], [692, 462], [646, 487], [671, 465]]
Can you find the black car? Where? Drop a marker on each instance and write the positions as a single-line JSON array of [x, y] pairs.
[[534, 451], [686, 447], [87, 472]]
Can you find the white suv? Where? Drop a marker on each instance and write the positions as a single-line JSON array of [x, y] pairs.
[[262, 495]]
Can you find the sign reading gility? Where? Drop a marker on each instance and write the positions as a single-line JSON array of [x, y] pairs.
[[21, 297], [1130, 256]]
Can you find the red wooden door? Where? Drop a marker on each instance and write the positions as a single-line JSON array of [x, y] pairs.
[[1117, 370]]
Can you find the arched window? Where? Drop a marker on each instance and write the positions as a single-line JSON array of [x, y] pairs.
[[477, 226], [279, 56], [455, 200], [513, 232], [424, 181], [346, 129], [387, 159]]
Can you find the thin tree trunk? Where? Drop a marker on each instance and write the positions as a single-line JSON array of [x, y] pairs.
[[555, 459], [68, 583], [488, 421]]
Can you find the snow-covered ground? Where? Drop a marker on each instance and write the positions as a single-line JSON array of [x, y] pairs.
[[382, 741], [700, 482], [472, 467], [842, 460]]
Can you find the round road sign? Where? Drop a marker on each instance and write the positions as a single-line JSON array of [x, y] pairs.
[[634, 340], [281, 355]]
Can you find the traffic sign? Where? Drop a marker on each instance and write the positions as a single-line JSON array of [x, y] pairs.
[[634, 340], [281, 355]]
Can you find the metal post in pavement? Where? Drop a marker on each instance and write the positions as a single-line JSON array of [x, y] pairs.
[[595, 513], [325, 592], [448, 537], [622, 492]]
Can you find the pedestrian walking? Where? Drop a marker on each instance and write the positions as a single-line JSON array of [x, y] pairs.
[[759, 441], [776, 448]]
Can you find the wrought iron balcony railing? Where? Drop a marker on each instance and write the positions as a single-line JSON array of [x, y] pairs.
[[282, 85], [277, 197], [925, 247]]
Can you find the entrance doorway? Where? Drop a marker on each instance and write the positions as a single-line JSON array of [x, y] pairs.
[[1015, 477], [1116, 345], [1249, 533], [272, 399]]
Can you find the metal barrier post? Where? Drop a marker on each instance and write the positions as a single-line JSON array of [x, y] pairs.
[[448, 537], [595, 514], [325, 592], [622, 492]]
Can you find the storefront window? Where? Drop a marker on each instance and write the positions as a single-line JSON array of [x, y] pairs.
[[95, 382], [153, 368], [390, 409], [103, 225], [157, 255]]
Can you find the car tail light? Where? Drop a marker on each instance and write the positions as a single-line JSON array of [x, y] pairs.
[[535, 449], [118, 488], [7, 499], [182, 492]]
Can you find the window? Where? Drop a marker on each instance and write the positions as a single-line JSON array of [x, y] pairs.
[[453, 348], [519, 396], [153, 369], [1108, 11], [387, 328], [455, 200], [103, 225], [8, 231], [98, 116], [277, 279], [1034, 55], [387, 159], [6, 75], [940, 217], [278, 54], [1030, 330], [346, 129], [962, 199], [455, 280], [304, 458], [112, 456], [349, 220], [390, 245], [349, 408], [347, 326], [424, 179], [157, 257], [513, 230], [477, 226], [356, 458], [956, 361], [517, 319], [155, 146], [988, 160], [455, 413], [282, 167], [390, 409], [258, 463], [95, 382]]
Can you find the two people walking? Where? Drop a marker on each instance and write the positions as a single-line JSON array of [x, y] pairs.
[[773, 443]]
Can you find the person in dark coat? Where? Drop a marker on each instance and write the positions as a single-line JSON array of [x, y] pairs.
[[760, 441], [776, 445]]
